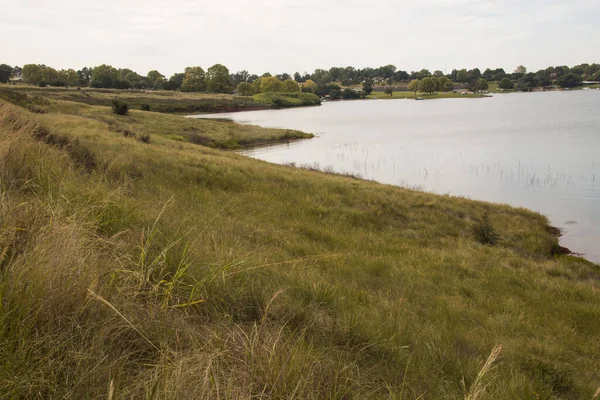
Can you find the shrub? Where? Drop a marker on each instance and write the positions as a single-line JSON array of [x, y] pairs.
[[145, 107], [484, 231], [120, 107], [145, 138]]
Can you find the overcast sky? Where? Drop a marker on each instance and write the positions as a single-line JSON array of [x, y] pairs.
[[299, 35]]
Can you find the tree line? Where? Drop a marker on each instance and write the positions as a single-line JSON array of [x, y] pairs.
[[218, 79]]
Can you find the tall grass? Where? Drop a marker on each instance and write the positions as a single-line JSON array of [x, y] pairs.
[[171, 270]]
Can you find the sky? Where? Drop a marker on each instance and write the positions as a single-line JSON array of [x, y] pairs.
[[300, 35]]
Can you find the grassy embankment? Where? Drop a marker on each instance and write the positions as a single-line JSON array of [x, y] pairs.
[[171, 270], [168, 101], [411, 95], [493, 88], [222, 133]]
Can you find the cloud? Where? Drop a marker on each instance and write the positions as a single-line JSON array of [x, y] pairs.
[[290, 35]]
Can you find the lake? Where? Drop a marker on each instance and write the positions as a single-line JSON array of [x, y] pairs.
[[535, 150]]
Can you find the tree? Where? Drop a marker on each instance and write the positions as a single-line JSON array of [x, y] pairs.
[[476, 85], [424, 73], [474, 74], [488, 74], [521, 70], [542, 78], [6, 72], [526, 82], [71, 78], [414, 85], [446, 84], [290, 85], [85, 76], [453, 75], [462, 76], [334, 91], [133, 79], [256, 85], [569, 80], [155, 79], [174, 82], [506, 84], [482, 85], [499, 74], [389, 90], [50, 77], [218, 79], [270, 84], [368, 87], [401, 76], [193, 80], [240, 76], [32, 74], [17, 72], [244, 89], [298, 77], [309, 86], [438, 73], [104, 76], [427, 85]]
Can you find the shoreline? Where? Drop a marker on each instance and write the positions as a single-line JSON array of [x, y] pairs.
[[555, 230]]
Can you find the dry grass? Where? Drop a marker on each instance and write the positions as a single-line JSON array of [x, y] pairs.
[[171, 270]]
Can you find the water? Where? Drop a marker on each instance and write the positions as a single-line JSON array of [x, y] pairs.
[[536, 150]]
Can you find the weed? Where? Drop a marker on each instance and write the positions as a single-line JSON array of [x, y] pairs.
[[484, 231]]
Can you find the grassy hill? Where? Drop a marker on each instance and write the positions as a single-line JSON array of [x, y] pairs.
[[160, 268], [164, 101]]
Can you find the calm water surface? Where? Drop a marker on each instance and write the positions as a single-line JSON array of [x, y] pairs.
[[535, 150]]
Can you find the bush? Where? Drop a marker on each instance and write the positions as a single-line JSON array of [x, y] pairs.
[[120, 107], [484, 231], [145, 138], [145, 107]]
